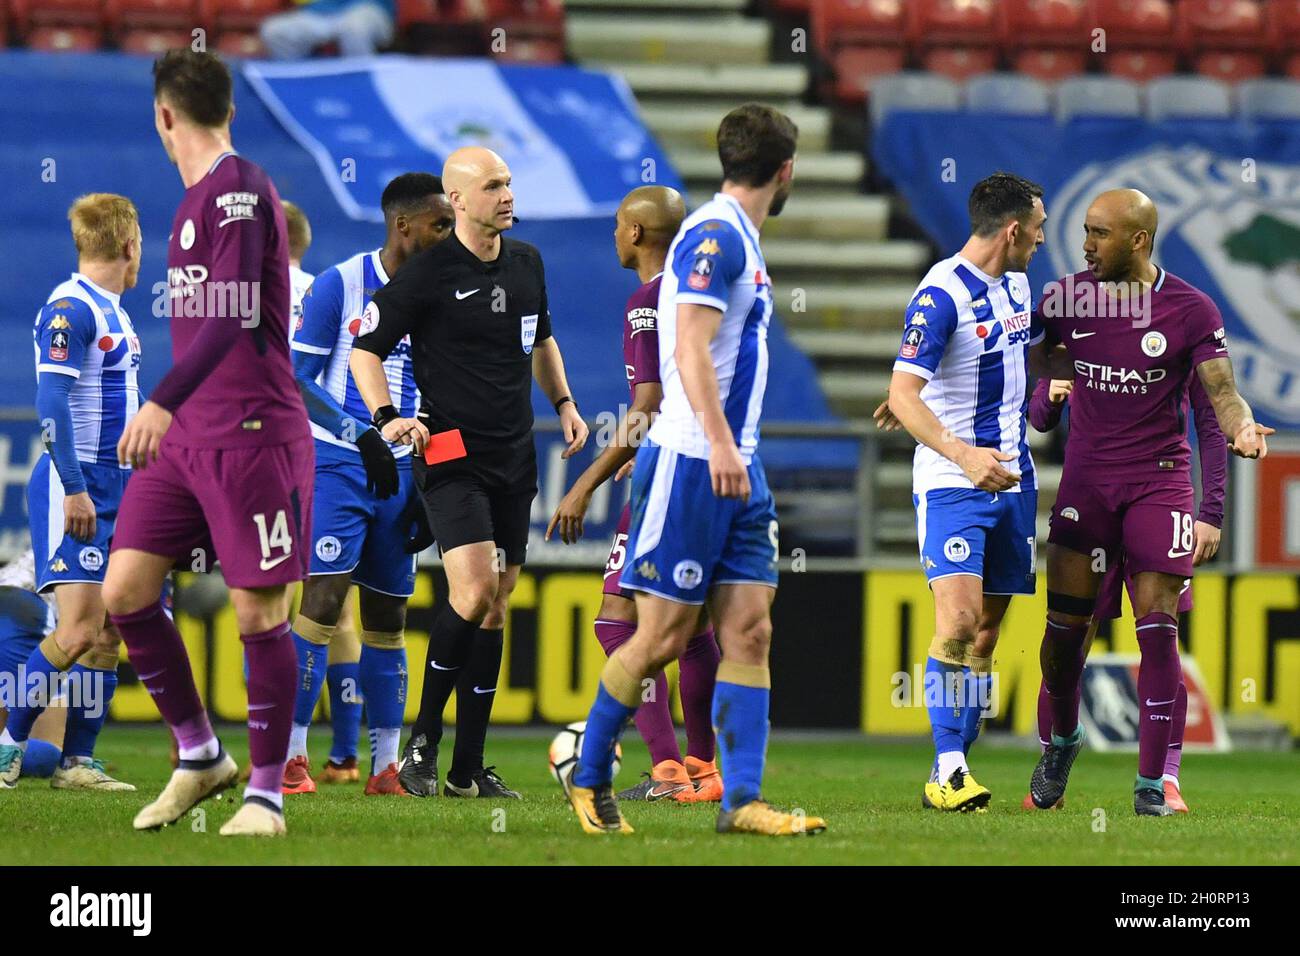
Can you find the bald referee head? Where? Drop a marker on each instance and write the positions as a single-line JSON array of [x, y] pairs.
[[477, 181], [645, 224]]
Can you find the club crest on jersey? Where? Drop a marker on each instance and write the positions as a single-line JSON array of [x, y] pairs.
[[912, 340], [328, 549], [956, 549], [59, 346], [368, 322], [1070, 514], [528, 332], [92, 559], [187, 234], [1154, 344], [701, 273], [687, 574]]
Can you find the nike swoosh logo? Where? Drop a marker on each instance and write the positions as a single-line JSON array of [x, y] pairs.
[[260, 706], [438, 667], [267, 565], [465, 295], [484, 690], [1159, 703], [1177, 554], [145, 677], [667, 791], [1076, 334], [470, 791]]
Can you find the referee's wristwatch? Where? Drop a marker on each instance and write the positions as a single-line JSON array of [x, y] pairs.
[[560, 403], [383, 415]]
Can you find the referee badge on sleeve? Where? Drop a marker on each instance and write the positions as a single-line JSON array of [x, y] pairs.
[[528, 332]]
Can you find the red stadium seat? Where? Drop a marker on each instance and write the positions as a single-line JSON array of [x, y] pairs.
[[960, 63], [967, 23], [1137, 24], [855, 23], [34, 13], [1221, 25], [1050, 65], [1282, 18], [1140, 65], [439, 12], [533, 29], [65, 39], [1044, 24], [127, 14], [1230, 66], [242, 15], [856, 66], [240, 43], [150, 41]]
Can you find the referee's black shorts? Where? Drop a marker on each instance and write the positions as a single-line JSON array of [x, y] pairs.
[[486, 496]]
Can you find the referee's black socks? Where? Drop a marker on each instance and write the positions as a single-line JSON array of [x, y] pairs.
[[475, 691], [450, 642]]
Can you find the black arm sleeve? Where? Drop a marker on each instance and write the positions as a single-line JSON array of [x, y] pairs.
[[397, 309]]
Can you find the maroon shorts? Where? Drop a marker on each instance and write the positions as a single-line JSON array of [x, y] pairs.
[[1108, 592], [617, 555], [251, 506], [1148, 526]]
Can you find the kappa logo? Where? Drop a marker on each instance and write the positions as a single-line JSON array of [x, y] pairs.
[[688, 574], [1154, 344], [917, 318], [1070, 514], [58, 566], [926, 300], [328, 549], [60, 322], [92, 559], [709, 247], [956, 549], [647, 570]]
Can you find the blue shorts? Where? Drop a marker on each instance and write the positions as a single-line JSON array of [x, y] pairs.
[[60, 558], [353, 532], [684, 539], [19, 632], [969, 531]]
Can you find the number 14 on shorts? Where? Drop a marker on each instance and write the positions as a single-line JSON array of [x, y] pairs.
[[277, 538]]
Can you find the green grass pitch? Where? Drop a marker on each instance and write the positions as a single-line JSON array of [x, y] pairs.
[[1244, 810]]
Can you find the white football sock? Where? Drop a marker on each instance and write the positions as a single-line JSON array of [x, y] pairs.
[[207, 750], [298, 740], [274, 797], [384, 742], [949, 762]]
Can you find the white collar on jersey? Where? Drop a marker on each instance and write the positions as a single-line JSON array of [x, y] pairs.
[[1160, 279], [979, 273], [733, 201], [380, 274], [113, 297]]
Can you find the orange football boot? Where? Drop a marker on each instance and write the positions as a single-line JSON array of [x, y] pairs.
[[1173, 799], [707, 781], [1028, 803], [345, 772], [385, 784], [297, 776]]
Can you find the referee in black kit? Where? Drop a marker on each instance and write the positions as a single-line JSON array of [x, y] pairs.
[[475, 309]]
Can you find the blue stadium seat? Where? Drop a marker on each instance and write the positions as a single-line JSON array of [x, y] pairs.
[[1007, 93], [1269, 98], [1188, 97], [1097, 96], [913, 91]]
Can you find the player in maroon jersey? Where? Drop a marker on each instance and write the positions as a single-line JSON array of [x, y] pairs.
[[1135, 335], [222, 453], [1045, 407], [646, 223]]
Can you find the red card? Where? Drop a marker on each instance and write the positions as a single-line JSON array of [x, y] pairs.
[[444, 446]]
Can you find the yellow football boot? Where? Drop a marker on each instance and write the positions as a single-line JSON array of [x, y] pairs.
[[597, 809], [960, 793], [758, 816]]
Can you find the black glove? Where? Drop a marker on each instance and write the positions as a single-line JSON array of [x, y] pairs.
[[381, 466], [416, 521]]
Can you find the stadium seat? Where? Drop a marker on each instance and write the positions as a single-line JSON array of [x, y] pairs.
[[1137, 24], [534, 29], [1044, 24], [913, 91], [1007, 93], [1049, 66], [1230, 66], [960, 64], [1221, 25], [1282, 23], [176, 14], [856, 69], [966, 23], [245, 44], [1187, 97], [28, 14], [151, 41], [1269, 98], [74, 39], [242, 15], [1140, 65], [1097, 96]]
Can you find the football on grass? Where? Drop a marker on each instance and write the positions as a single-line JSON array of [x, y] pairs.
[[565, 749]]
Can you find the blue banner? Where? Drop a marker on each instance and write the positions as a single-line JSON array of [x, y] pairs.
[[1227, 191], [572, 137]]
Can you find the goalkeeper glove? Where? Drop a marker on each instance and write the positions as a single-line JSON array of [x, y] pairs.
[[416, 520], [381, 467]]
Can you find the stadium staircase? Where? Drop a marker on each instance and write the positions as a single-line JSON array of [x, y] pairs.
[[830, 249]]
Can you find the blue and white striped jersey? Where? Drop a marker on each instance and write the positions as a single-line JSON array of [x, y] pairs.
[[299, 283], [83, 332], [715, 260], [331, 320], [968, 334]]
